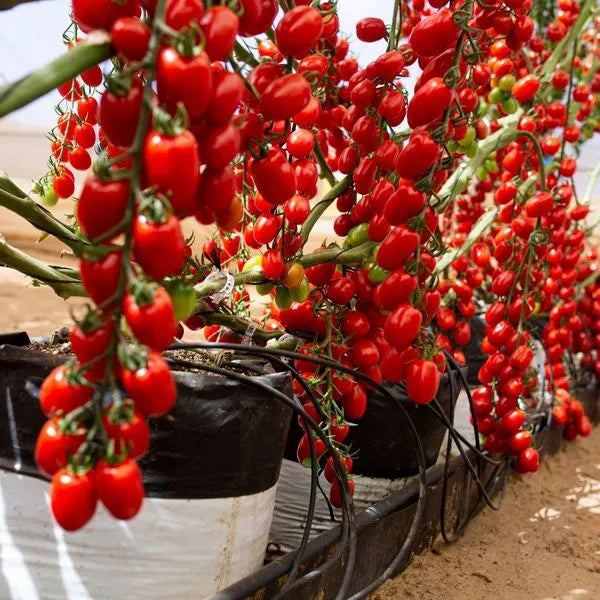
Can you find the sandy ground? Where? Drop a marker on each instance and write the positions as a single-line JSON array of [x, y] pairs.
[[544, 543]]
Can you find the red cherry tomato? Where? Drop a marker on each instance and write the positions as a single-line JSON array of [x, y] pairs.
[[151, 387], [72, 499], [120, 488], [422, 381], [151, 318]]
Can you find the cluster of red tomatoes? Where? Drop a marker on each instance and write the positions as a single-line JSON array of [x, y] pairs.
[[241, 133], [569, 412]]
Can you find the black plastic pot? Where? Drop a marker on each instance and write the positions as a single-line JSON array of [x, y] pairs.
[[382, 440], [222, 439]]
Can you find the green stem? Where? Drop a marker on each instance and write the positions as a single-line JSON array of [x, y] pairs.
[[62, 284], [589, 280], [237, 324], [483, 223], [15, 200], [315, 214], [394, 33], [540, 154], [462, 176], [40, 82], [338, 255], [325, 170], [244, 55], [589, 188], [559, 51]]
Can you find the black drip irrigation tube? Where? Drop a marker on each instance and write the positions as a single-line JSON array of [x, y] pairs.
[[348, 526], [346, 542]]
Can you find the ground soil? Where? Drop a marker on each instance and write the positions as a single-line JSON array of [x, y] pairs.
[[544, 543]]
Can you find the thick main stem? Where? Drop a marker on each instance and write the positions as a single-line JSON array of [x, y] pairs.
[[15, 200], [83, 56]]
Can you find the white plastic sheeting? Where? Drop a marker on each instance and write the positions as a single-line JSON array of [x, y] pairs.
[[183, 549], [293, 493]]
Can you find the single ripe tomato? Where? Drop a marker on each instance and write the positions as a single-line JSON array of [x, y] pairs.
[[128, 430], [63, 184], [102, 206], [101, 14], [402, 326], [54, 446], [429, 102], [158, 247], [296, 209], [272, 264], [171, 164], [119, 487], [370, 29], [335, 494], [130, 36], [119, 114], [397, 247], [274, 176], [285, 97], [355, 403], [525, 89], [88, 341], [62, 391], [151, 386], [528, 461], [298, 31], [185, 80], [519, 441], [100, 277], [216, 191], [433, 34], [218, 144], [422, 381], [227, 92], [85, 135], [180, 14], [419, 154], [151, 318], [73, 498], [220, 26]]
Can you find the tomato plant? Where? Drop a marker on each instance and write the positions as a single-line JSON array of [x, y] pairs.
[[450, 201]]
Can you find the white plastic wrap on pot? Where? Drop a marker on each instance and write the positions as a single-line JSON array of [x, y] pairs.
[[210, 478], [183, 549], [293, 493]]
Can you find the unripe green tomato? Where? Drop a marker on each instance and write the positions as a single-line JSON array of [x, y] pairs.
[[183, 297], [471, 150], [377, 274], [358, 235], [510, 106], [300, 294], [495, 96], [481, 173], [491, 166], [48, 195], [253, 264], [507, 82], [264, 289], [482, 108], [283, 298], [452, 146], [469, 137]]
